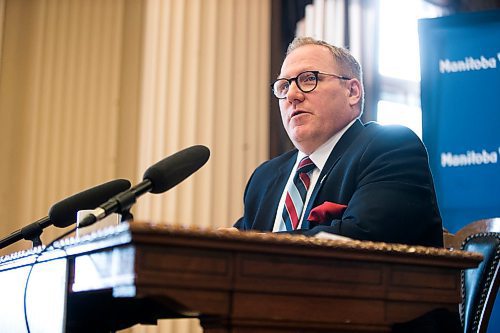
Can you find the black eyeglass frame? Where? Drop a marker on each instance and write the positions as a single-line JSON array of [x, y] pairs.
[[316, 73]]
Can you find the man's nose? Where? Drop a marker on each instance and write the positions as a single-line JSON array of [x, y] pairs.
[[294, 93]]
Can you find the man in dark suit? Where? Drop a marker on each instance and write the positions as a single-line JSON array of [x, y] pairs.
[[362, 181]]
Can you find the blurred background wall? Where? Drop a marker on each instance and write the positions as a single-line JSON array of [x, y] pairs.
[[93, 90]]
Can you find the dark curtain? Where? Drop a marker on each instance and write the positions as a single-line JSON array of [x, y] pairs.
[[284, 17]]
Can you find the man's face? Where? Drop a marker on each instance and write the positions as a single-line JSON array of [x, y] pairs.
[[310, 119]]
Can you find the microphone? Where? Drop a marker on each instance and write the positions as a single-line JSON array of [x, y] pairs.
[[63, 213], [158, 178]]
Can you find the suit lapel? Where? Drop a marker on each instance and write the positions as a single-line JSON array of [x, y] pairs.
[[338, 151], [267, 212]]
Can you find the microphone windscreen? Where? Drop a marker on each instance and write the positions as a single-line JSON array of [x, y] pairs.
[[63, 213], [172, 170]]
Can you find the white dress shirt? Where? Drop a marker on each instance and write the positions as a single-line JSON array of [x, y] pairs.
[[319, 157]]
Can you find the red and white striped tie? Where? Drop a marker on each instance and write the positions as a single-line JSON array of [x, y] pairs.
[[296, 195]]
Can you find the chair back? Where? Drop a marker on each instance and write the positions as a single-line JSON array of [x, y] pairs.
[[479, 285]]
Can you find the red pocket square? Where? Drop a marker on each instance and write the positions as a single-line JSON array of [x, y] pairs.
[[327, 211]]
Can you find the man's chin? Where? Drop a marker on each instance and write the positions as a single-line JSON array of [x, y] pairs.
[[300, 133], [303, 144]]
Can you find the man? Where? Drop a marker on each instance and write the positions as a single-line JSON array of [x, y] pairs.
[[362, 181]]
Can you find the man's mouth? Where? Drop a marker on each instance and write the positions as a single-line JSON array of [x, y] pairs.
[[296, 113]]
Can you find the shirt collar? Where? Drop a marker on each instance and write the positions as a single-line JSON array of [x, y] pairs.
[[320, 155]]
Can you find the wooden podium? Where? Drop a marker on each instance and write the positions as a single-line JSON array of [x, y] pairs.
[[243, 282]]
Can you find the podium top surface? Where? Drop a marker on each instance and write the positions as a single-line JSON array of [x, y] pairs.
[[144, 233]]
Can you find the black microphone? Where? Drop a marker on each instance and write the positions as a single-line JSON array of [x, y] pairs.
[[63, 213], [158, 178]]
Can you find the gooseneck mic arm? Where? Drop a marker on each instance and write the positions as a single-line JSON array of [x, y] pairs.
[[120, 203], [30, 232], [158, 178], [63, 213]]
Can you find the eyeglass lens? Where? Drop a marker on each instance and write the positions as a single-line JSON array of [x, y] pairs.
[[305, 81]]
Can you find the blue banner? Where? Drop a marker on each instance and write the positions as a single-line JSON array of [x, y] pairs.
[[460, 91]]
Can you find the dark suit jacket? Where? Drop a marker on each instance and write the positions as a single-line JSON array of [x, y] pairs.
[[380, 172]]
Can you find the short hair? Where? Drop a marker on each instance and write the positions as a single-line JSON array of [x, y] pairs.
[[349, 66]]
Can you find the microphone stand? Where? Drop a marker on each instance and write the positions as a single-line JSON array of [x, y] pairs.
[[126, 216], [30, 232], [120, 203]]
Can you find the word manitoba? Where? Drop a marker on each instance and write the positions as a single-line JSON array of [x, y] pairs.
[[471, 157], [468, 64]]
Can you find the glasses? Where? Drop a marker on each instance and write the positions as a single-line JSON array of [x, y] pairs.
[[306, 82]]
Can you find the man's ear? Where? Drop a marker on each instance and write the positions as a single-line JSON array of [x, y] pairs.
[[355, 91]]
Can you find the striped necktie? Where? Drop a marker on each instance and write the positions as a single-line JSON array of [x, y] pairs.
[[296, 194]]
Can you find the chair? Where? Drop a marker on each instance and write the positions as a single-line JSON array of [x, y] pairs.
[[479, 285]]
